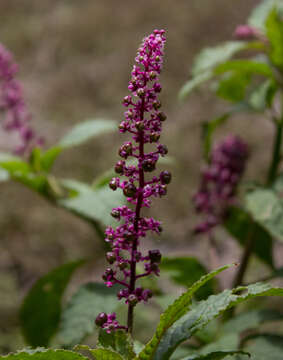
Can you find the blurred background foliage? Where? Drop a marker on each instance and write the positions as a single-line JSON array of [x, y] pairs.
[[75, 59]]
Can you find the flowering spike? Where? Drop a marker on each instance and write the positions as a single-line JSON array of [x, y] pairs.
[[219, 182], [13, 106], [143, 120]]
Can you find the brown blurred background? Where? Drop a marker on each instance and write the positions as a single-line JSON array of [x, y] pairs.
[[75, 59]]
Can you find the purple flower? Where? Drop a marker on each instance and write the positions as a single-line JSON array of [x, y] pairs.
[[16, 117], [246, 32], [219, 182], [143, 120]]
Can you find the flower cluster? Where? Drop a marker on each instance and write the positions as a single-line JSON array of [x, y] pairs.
[[219, 182], [16, 116], [143, 120]]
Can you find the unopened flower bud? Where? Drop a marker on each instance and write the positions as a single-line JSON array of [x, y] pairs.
[[152, 75], [163, 150], [133, 300], [130, 190], [140, 126], [101, 319], [140, 92], [115, 213], [148, 165], [110, 257], [165, 177], [161, 116], [156, 104], [122, 265], [119, 167], [113, 185], [154, 256], [154, 137]]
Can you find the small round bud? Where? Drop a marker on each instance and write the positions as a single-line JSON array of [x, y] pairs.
[[140, 126], [108, 274], [154, 256], [122, 265], [140, 92], [115, 213], [129, 236], [148, 165], [133, 300], [163, 150], [163, 190], [157, 58], [119, 167], [159, 228], [154, 137], [110, 257], [101, 319], [130, 190], [130, 114], [152, 75], [112, 184], [165, 177], [125, 150], [156, 104], [161, 116]]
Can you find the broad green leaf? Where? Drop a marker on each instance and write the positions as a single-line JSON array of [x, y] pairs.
[[173, 313], [204, 312], [210, 57], [238, 223], [194, 83], [77, 320], [260, 13], [48, 157], [262, 96], [245, 66], [86, 130], [105, 354], [41, 309], [267, 209], [186, 271], [250, 320], [217, 355], [93, 204], [233, 86], [274, 28], [208, 129], [118, 341], [265, 347], [44, 354], [226, 342]]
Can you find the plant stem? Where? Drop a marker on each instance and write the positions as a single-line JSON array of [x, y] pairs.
[[133, 265], [276, 154]]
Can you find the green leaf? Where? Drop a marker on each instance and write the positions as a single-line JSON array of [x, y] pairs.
[[260, 13], [4, 175], [262, 96], [86, 130], [233, 86], [266, 347], [105, 354], [93, 204], [250, 320], [78, 316], [245, 67], [44, 354], [194, 83], [118, 341], [204, 312], [41, 308], [210, 57], [240, 225], [186, 271], [173, 313], [208, 129], [274, 28], [217, 355], [267, 209], [48, 157]]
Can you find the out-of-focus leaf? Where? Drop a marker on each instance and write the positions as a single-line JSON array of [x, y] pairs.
[[41, 309], [274, 27], [93, 204], [78, 316], [44, 354], [194, 83], [4, 175], [263, 95], [217, 355], [202, 314], [265, 347], [260, 13], [208, 129], [233, 86], [239, 224], [118, 341], [245, 66], [186, 271], [86, 130], [48, 157], [210, 57], [172, 314], [250, 320], [267, 210]]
